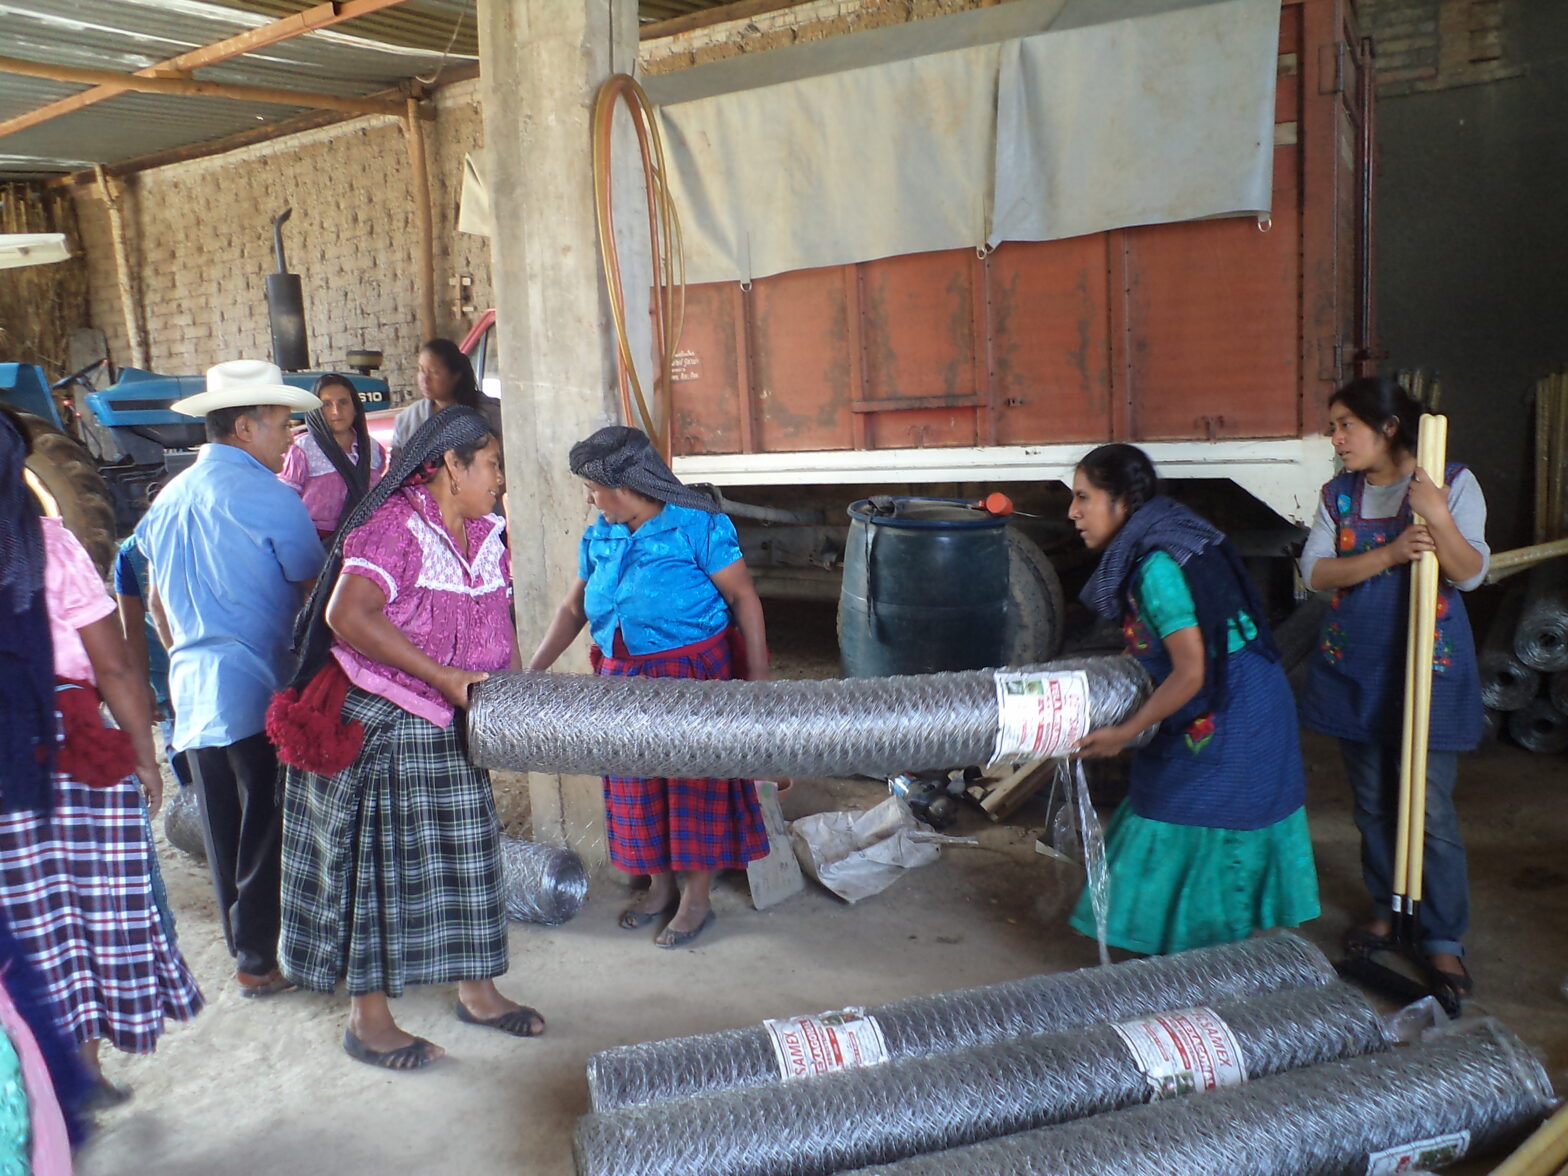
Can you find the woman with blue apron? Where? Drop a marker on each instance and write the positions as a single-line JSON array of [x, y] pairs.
[[1362, 544], [1212, 842]]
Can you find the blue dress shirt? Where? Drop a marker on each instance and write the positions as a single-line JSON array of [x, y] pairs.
[[228, 546], [653, 583]]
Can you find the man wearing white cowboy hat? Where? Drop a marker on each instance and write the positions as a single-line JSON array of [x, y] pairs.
[[229, 549]]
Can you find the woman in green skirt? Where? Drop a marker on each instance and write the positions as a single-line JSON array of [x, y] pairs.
[[1211, 843]]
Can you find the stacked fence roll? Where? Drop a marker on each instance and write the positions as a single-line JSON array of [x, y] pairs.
[[1541, 639], [1539, 727], [924, 1025], [1506, 682], [1423, 1105], [542, 883], [900, 1109], [1524, 664], [182, 823]]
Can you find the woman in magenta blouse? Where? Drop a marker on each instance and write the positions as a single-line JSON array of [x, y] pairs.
[[334, 463]]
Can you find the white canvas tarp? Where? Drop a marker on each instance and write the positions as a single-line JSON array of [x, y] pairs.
[[1033, 120]]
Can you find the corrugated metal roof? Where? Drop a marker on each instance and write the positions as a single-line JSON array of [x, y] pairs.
[[129, 35], [415, 38]]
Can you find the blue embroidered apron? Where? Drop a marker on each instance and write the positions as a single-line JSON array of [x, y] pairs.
[[1236, 765], [1356, 680]]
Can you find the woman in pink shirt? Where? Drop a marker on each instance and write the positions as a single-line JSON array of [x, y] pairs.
[[334, 462], [391, 846], [76, 871]]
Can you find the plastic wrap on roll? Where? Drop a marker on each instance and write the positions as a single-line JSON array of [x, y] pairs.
[[182, 823], [542, 883], [920, 1026], [898, 1109], [1539, 727], [1427, 1105], [576, 724]]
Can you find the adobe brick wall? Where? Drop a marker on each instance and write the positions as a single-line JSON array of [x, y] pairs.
[[1439, 44], [201, 244]]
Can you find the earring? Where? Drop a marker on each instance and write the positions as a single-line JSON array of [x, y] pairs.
[[451, 479]]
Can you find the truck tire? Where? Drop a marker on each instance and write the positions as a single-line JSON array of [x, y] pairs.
[[76, 491], [1036, 609]]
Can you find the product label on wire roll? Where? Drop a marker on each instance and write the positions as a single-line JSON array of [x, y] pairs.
[[1436, 1152], [808, 1046], [1184, 1051], [1039, 716]]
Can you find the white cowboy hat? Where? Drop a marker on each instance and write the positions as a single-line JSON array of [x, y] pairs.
[[241, 383]]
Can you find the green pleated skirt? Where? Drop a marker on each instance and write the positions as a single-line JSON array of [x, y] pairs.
[[1174, 887]]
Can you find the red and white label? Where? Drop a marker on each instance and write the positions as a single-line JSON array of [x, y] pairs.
[[808, 1046], [1423, 1153], [1039, 716], [1184, 1052]]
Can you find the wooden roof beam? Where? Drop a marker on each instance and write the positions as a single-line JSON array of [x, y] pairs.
[[190, 86], [311, 19]]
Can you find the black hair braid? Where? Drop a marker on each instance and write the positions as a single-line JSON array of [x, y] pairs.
[[1124, 472]]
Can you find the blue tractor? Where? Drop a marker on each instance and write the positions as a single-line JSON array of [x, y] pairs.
[[100, 456]]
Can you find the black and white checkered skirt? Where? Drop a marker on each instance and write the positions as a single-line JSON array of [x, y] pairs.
[[392, 868]]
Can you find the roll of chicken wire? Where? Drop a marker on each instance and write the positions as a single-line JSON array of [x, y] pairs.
[[1506, 682], [542, 883], [1493, 723], [1539, 727], [906, 1108], [920, 1026], [182, 823], [580, 725], [1541, 639], [1557, 690], [1418, 1106]]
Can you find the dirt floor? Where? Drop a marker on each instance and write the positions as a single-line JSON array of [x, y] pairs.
[[265, 1087]]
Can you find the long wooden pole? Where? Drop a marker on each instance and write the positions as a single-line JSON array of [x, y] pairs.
[[190, 86], [112, 196], [424, 230]]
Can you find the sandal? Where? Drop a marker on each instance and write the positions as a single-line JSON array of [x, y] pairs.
[[668, 938], [251, 987], [1362, 941], [413, 1056], [519, 1022], [634, 917], [1460, 984]]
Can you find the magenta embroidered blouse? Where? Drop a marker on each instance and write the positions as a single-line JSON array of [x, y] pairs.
[[316, 480], [456, 611]]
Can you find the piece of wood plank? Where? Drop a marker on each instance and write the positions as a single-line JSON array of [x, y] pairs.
[[776, 877], [1003, 799]]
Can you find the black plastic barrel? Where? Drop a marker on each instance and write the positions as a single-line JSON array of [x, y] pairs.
[[925, 588]]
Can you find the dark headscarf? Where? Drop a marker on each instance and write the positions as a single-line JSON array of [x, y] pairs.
[[446, 430], [1216, 577], [356, 473], [27, 732], [618, 456]]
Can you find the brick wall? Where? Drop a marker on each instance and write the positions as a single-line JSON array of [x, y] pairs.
[[1439, 44], [200, 244]]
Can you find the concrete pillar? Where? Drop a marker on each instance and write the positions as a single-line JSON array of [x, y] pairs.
[[542, 62]]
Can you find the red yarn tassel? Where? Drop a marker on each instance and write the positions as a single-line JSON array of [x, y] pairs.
[[307, 728], [93, 753]]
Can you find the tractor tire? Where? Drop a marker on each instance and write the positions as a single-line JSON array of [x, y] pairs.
[[72, 489], [1036, 609]]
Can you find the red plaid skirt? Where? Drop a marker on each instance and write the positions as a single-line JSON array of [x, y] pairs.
[[659, 825]]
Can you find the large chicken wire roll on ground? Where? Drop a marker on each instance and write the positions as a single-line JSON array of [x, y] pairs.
[[922, 1025], [1422, 1105], [905, 1108], [577, 724]]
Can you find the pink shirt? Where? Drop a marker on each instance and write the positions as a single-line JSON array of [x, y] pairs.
[[311, 474], [454, 610], [74, 596]]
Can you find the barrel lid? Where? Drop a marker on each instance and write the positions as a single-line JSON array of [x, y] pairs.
[[934, 514]]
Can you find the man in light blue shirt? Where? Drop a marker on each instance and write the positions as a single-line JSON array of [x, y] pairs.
[[230, 549]]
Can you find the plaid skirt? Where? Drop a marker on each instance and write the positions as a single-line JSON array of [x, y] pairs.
[[392, 868], [658, 825], [77, 890]]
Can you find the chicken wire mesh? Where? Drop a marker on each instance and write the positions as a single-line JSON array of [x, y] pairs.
[[578, 724], [923, 1025], [1417, 1106], [1539, 727], [905, 1108], [182, 823], [542, 883], [1541, 639]]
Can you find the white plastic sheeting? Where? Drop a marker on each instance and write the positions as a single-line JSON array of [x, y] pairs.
[[1033, 120]]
